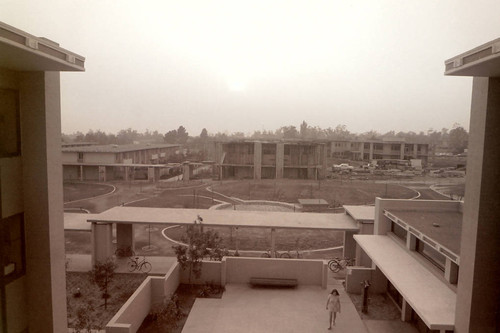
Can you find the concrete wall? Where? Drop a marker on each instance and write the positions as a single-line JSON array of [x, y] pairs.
[[357, 275], [152, 290], [99, 158], [307, 272], [69, 157], [211, 272]]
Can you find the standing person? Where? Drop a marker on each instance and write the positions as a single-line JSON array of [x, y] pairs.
[[333, 306]]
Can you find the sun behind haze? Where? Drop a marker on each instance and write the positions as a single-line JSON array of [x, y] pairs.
[[241, 66]]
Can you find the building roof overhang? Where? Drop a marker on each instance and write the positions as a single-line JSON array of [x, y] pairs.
[[483, 60], [428, 296], [20, 51], [227, 218]]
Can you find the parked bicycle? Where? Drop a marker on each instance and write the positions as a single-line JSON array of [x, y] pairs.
[[123, 252], [336, 264], [139, 265], [283, 255]]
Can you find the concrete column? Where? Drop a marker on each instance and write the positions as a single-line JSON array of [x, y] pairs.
[[102, 237], [257, 160], [126, 173], [81, 173], [273, 243], [40, 110], [102, 173], [415, 150], [349, 244], [371, 151], [185, 171], [280, 160], [451, 271], [151, 175], [362, 150], [402, 152], [411, 242], [406, 311], [125, 236], [477, 291]]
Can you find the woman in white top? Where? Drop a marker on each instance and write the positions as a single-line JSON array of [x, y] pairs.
[[333, 306]]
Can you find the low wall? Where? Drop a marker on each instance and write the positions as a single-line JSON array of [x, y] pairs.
[[211, 272], [307, 272], [152, 290]]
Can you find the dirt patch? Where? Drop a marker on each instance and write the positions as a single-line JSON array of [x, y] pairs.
[[121, 288], [186, 296], [78, 191], [380, 307], [260, 239]]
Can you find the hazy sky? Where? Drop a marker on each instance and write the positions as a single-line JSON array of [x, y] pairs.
[[253, 65]]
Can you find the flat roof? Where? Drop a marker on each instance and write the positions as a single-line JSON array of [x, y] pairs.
[[136, 165], [229, 218], [483, 60], [429, 297], [447, 234], [313, 202], [361, 213], [116, 148], [21, 51]]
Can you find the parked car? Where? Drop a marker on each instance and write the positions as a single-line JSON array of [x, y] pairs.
[[343, 167]]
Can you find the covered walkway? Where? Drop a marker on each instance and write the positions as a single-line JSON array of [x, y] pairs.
[[126, 217]]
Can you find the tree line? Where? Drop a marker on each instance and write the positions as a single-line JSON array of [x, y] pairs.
[[456, 138]]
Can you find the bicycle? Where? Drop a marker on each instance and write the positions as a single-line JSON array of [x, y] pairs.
[[336, 264], [283, 255], [124, 252], [139, 265]]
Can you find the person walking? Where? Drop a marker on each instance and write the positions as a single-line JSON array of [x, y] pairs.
[[333, 306]]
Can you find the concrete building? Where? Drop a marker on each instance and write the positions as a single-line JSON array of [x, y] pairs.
[[110, 162], [387, 149], [414, 257], [271, 160], [32, 284], [460, 266]]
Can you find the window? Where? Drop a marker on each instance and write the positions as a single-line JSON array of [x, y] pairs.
[[80, 157], [12, 238], [395, 147], [398, 231], [10, 133], [366, 146], [378, 146], [431, 254]]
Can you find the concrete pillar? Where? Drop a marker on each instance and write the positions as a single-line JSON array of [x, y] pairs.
[[81, 173], [402, 152], [322, 162], [151, 175], [280, 160], [405, 311], [257, 160], [40, 111], [185, 171], [411, 242], [415, 150], [349, 244], [477, 291], [125, 236], [371, 151], [362, 150], [126, 173], [102, 173], [451, 271], [102, 237], [273, 243]]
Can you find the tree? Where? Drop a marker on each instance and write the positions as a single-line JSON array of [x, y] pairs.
[[170, 136], [200, 244], [303, 130], [289, 132], [182, 135], [102, 274], [458, 139], [204, 134]]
